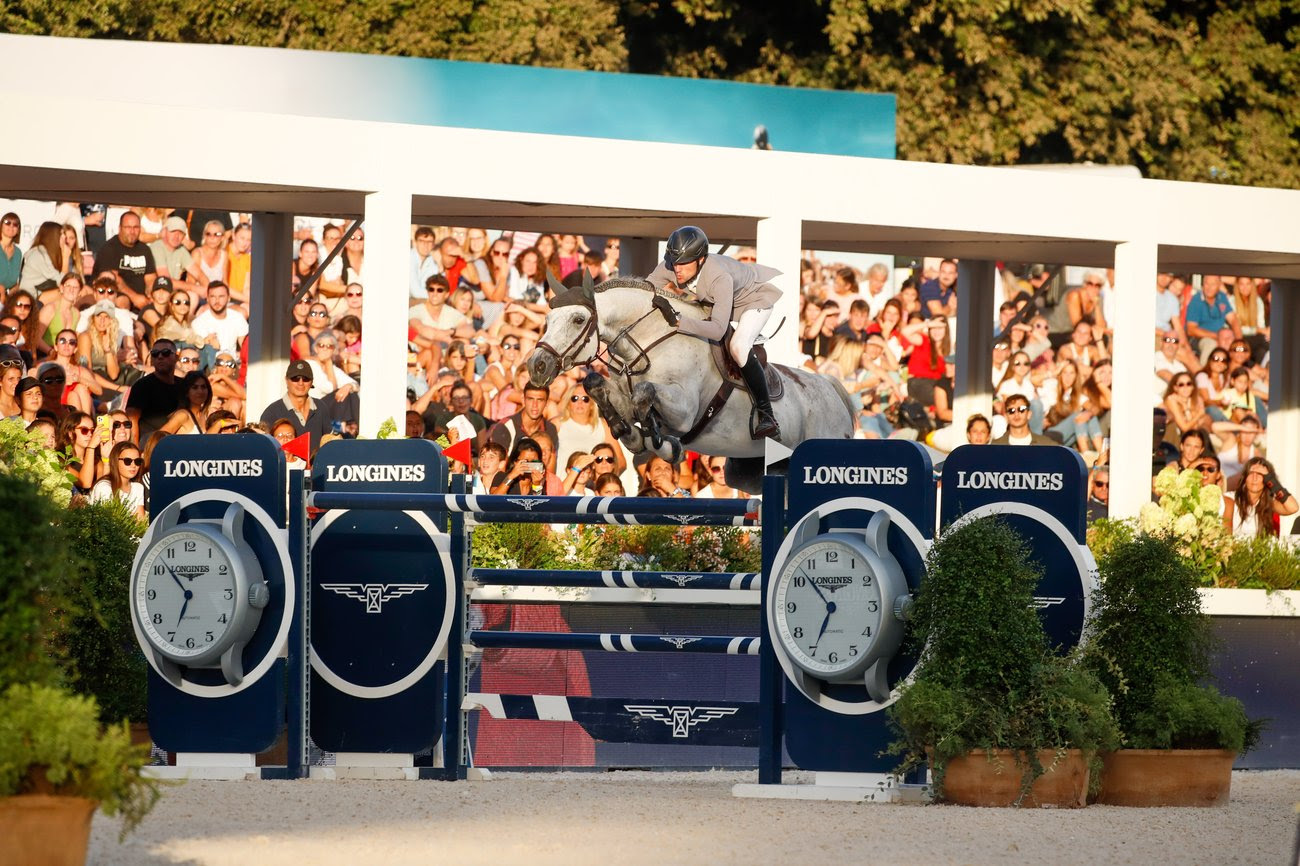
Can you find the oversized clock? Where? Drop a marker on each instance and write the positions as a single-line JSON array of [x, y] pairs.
[[197, 594], [837, 606]]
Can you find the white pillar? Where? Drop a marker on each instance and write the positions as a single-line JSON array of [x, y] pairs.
[[383, 327], [1284, 387], [780, 245], [1134, 357], [270, 312], [973, 386]]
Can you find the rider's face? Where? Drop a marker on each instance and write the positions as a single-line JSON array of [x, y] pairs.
[[686, 271]]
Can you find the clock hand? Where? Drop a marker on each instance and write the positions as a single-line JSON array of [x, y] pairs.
[[188, 595], [816, 588], [177, 579], [830, 609]]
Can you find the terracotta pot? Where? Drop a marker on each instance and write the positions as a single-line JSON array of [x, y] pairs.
[[44, 829], [1166, 777], [140, 734], [977, 780]]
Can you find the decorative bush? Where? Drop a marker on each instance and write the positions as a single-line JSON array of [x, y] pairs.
[[1261, 563], [23, 455], [1150, 645], [635, 548], [51, 742], [986, 677], [40, 571], [1190, 514], [101, 641]]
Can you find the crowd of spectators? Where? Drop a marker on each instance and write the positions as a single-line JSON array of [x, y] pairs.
[[116, 341]]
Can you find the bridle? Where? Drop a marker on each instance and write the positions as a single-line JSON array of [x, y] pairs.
[[639, 363]]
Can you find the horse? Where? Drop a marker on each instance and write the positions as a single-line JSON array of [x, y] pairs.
[[663, 383]]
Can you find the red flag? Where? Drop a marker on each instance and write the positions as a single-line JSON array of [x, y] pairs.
[[459, 452], [300, 447]]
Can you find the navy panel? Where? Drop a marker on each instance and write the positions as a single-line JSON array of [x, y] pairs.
[[248, 721]]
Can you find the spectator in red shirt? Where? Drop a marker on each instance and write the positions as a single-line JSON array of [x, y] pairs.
[[928, 381]]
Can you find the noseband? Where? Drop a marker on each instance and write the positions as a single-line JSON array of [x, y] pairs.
[[639, 363]]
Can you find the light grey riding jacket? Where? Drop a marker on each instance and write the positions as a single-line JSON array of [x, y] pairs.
[[732, 287]]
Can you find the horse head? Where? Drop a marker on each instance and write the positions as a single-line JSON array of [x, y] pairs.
[[571, 336]]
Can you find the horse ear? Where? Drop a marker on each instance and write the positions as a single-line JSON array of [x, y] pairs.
[[588, 287], [557, 287]]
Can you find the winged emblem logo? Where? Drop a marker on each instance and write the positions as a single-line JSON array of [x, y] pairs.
[[373, 595], [1042, 601], [679, 642], [681, 579], [683, 519], [527, 504], [680, 719]]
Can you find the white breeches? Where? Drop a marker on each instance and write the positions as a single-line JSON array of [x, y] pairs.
[[747, 330]]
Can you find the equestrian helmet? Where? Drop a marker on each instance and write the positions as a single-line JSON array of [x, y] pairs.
[[686, 244]]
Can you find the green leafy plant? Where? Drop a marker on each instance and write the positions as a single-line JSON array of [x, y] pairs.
[[1150, 645], [24, 455], [986, 676], [1262, 562], [38, 588], [100, 641], [51, 742]]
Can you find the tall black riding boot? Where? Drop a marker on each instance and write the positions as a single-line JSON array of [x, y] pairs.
[[766, 425]]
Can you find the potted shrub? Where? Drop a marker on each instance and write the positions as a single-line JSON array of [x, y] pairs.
[[57, 764], [1150, 644], [999, 716]]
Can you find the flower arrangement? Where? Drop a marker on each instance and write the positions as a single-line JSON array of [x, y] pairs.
[[1191, 513]]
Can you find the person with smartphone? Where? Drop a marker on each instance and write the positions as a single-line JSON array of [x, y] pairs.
[[525, 473]]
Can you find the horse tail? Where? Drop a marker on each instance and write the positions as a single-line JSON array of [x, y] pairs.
[[848, 404]]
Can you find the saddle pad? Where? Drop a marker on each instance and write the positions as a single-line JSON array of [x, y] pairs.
[[727, 368]]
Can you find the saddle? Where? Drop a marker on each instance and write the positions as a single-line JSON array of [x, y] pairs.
[[729, 371], [733, 380]]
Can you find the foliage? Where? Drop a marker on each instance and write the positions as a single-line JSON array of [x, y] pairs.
[[1262, 562], [986, 677], [1150, 644], [52, 743], [1183, 715], [24, 455], [38, 590], [1192, 92], [1189, 513], [635, 548], [387, 430], [101, 641], [1105, 533]]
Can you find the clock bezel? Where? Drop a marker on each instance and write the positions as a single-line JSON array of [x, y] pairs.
[[244, 571], [855, 666]]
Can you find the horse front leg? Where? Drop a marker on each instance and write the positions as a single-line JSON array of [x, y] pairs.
[[615, 404], [665, 410]]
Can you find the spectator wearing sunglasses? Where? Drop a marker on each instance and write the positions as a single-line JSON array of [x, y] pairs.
[[579, 425], [1016, 407], [11, 258], [227, 392], [336, 390], [1099, 494], [156, 396], [717, 487], [125, 466], [297, 407]]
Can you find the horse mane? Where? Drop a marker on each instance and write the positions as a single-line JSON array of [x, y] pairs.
[[645, 286]]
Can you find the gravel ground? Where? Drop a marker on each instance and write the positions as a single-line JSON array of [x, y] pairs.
[[669, 818]]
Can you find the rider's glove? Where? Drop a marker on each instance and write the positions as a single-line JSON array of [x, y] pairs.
[[664, 306]]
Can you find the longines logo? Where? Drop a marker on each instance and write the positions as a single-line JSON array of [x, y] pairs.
[[832, 582], [1045, 601], [527, 504], [212, 468], [855, 475], [680, 719], [1010, 480], [373, 595], [191, 571], [345, 472]]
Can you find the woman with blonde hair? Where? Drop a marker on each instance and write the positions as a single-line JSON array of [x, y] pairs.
[[579, 424], [843, 361], [210, 261], [1073, 416], [100, 343]]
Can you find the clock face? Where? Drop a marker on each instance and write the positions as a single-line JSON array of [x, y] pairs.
[[185, 595], [828, 607]]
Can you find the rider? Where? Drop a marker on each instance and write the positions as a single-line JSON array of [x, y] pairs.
[[738, 291]]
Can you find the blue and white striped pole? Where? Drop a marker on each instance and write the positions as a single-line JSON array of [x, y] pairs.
[[615, 642], [615, 579]]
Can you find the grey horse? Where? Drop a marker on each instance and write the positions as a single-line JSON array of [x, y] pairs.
[[661, 382]]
